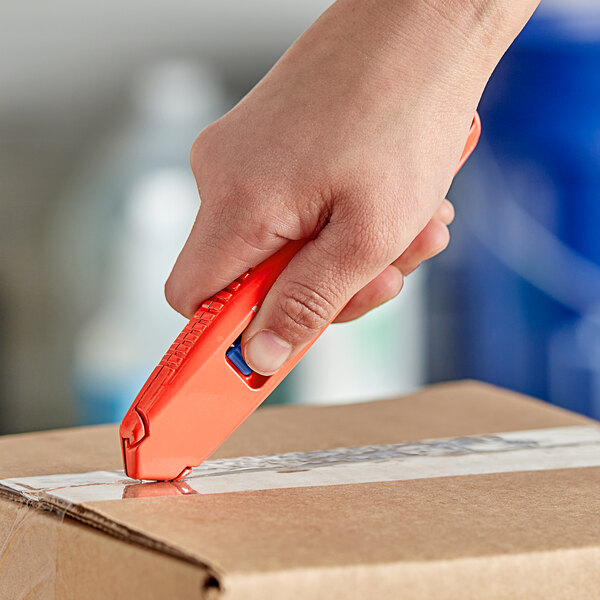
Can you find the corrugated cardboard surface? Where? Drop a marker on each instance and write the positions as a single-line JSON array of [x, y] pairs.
[[511, 535]]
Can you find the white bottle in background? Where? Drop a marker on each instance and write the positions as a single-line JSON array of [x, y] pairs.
[[123, 224], [123, 341]]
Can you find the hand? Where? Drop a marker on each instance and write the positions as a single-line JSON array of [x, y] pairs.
[[350, 141], [388, 284]]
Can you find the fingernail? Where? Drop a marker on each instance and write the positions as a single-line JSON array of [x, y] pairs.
[[266, 352]]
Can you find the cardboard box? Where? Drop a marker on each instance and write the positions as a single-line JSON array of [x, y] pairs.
[[502, 500]]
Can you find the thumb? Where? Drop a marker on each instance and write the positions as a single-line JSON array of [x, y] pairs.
[[309, 293]]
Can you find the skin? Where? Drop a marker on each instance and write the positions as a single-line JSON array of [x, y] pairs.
[[351, 141]]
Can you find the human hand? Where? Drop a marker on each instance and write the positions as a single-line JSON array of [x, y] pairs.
[[350, 141]]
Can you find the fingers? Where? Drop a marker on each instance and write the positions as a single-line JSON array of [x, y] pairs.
[[218, 250], [445, 213], [316, 284], [384, 287], [432, 240], [307, 295]]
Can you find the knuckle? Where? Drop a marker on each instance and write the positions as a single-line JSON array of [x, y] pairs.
[[305, 311], [204, 143], [198, 150], [205, 159]]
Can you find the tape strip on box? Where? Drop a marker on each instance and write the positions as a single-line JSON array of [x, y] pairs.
[[534, 450]]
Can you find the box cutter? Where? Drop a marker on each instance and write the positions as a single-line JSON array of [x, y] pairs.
[[202, 389]]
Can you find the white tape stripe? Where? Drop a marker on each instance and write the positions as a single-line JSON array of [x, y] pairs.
[[536, 450]]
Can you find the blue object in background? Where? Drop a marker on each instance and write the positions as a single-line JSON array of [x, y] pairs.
[[516, 300]]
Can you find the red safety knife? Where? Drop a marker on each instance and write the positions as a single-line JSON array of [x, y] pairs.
[[202, 389]]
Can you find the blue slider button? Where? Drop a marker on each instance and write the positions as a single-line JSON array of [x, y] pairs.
[[234, 354]]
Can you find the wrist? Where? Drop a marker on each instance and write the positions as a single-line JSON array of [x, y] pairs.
[[488, 26], [433, 42]]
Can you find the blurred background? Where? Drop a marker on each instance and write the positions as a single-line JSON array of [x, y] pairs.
[[99, 106]]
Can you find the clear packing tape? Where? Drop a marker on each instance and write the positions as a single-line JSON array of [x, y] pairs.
[[41, 503], [538, 449]]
